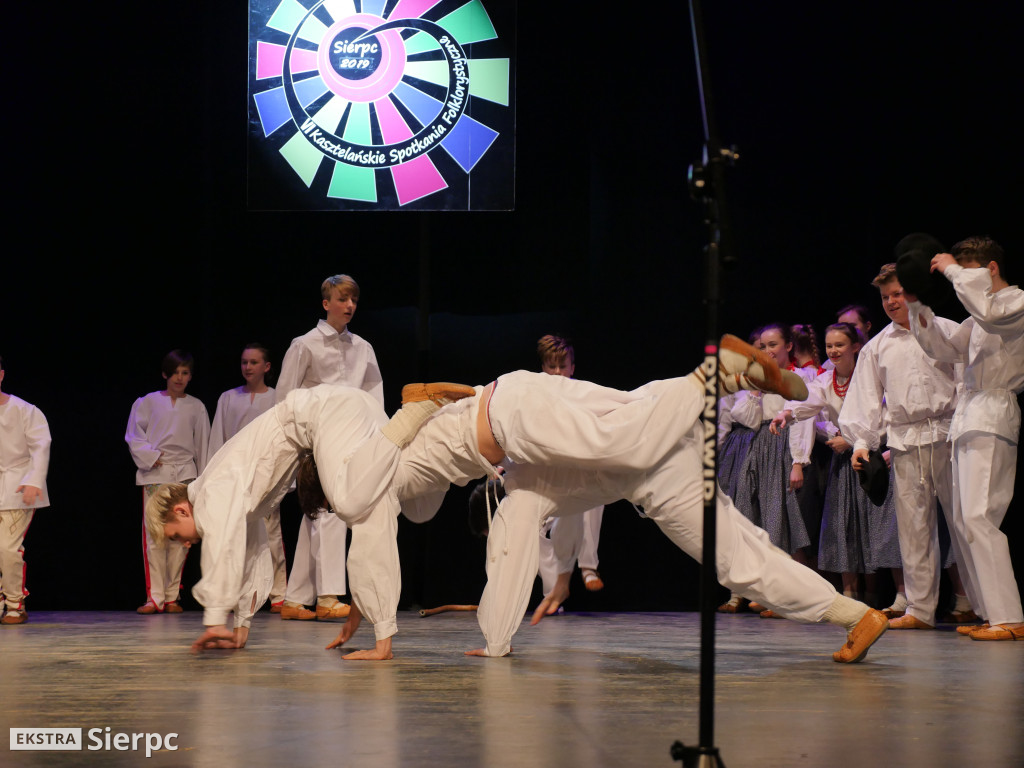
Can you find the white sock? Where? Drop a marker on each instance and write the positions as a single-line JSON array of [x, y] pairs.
[[728, 383], [328, 601], [900, 603], [845, 612], [407, 422], [961, 604]]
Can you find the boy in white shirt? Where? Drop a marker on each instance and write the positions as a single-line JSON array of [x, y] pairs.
[[24, 460], [898, 390], [168, 435], [235, 409], [986, 424], [328, 354], [558, 358]]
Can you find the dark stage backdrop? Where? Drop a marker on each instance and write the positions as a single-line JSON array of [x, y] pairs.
[[129, 233]]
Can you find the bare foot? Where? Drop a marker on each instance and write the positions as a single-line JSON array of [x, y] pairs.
[[483, 652], [380, 652]]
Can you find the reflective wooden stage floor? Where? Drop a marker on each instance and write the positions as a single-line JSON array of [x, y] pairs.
[[580, 690]]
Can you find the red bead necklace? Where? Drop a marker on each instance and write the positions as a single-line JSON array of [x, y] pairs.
[[840, 389]]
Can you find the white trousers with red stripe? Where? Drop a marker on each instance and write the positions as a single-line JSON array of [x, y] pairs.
[[13, 527]]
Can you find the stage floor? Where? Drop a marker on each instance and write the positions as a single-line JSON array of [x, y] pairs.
[[580, 690]]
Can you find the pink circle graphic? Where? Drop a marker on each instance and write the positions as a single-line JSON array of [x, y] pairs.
[[388, 73]]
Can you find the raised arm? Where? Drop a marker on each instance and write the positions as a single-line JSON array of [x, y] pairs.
[[941, 341], [1003, 315]]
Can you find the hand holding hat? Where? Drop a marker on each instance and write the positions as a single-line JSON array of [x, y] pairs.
[[914, 254], [874, 478]]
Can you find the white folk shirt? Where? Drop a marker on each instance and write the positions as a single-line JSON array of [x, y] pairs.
[[822, 402], [180, 429], [235, 409], [1001, 313], [736, 409], [994, 372], [756, 408], [24, 453], [919, 393], [324, 356]]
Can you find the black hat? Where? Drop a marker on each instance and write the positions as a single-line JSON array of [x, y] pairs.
[[874, 478], [913, 269]]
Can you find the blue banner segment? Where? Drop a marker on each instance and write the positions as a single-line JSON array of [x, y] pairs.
[[468, 139]]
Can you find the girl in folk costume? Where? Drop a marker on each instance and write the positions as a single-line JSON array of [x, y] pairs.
[[856, 536], [811, 456], [764, 494]]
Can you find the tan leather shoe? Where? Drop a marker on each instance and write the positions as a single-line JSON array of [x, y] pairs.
[[276, 607], [592, 580], [173, 608], [859, 639], [768, 613], [299, 614], [999, 632], [756, 607], [148, 609], [337, 611], [730, 607], [742, 366], [966, 629], [439, 392], [15, 617], [909, 622], [891, 613]]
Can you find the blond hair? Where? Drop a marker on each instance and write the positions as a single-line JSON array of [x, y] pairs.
[[886, 274], [160, 508], [341, 282]]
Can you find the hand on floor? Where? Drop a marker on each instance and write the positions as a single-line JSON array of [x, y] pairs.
[[558, 595], [218, 637]]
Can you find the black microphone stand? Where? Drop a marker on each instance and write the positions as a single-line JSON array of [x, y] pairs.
[[707, 186]]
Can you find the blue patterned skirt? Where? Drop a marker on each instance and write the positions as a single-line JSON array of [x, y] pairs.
[[734, 452], [763, 494], [856, 536]]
